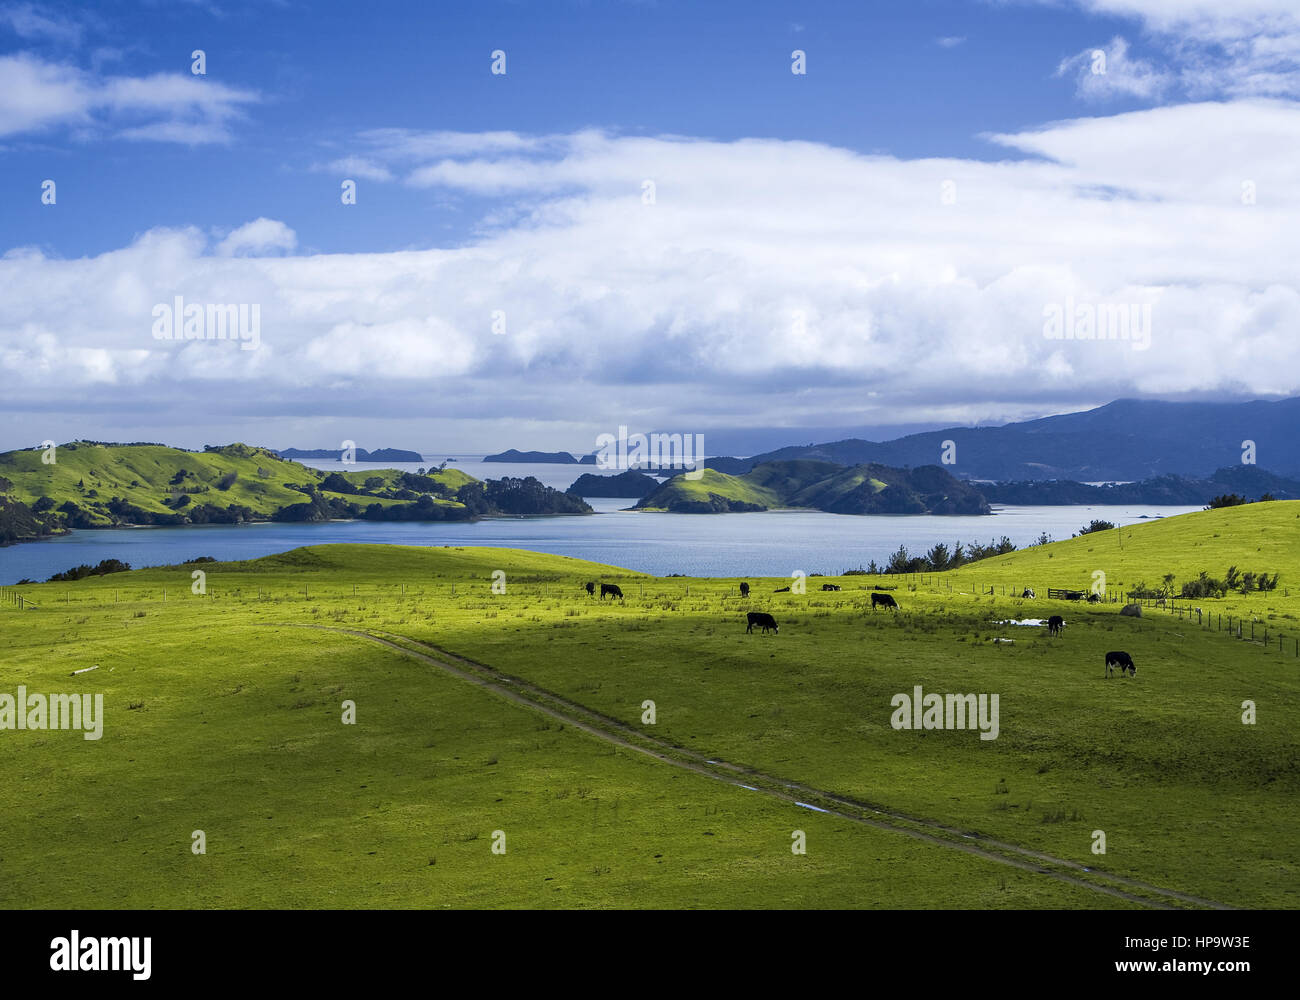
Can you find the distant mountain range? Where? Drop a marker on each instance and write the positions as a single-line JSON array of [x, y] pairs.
[[1127, 440], [381, 455], [1244, 480]]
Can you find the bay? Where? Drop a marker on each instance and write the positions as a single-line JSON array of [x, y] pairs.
[[770, 543]]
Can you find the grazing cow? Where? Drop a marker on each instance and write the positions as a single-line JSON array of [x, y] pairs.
[[883, 600], [1123, 661], [1055, 624], [1094, 598], [744, 590], [591, 589], [829, 586], [611, 589], [1027, 593], [782, 590], [763, 619]]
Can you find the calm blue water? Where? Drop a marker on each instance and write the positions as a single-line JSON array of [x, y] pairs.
[[772, 543]]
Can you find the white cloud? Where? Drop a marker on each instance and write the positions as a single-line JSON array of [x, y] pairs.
[[1214, 48], [35, 23], [1109, 72], [167, 107], [257, 237], [950, 41], [357, 166], [768, 277]]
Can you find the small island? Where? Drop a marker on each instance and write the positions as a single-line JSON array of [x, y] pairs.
[[625, 484], [380, 455], [533, 457]]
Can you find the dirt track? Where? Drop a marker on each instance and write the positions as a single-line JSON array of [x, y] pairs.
[[881, 817]]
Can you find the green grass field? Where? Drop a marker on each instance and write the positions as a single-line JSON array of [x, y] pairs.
[[522, 712]]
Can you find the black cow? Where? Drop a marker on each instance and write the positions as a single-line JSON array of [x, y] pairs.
[[1123, 661], [781, 590], [744, 590], [883, 600], [829, 586], [591, 589], [1055, 624], [611, 589], [764, 619]]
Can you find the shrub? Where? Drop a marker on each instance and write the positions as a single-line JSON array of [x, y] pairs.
[[81, 572]]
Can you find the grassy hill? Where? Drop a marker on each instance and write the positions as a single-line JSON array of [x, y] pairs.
[[521, 709], [863, 489], [1258, 537], [153, 478], [713, 492], [91, 485]]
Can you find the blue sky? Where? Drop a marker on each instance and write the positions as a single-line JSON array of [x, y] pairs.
[[868, 247], [880, 81]]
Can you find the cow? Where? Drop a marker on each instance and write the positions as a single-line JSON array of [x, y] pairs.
[[1055, 624], [829, 586], [591, 589], [1028, 593], [763, 619], [744, 590], [883, 600], [1094, 598], [1123, 661], [781, 590], [611, 589]]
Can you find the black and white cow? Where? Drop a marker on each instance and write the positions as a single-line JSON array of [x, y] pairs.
[[829, 586], [1122, 660]]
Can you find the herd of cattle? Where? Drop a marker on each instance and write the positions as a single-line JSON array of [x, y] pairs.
[[1055, 624]]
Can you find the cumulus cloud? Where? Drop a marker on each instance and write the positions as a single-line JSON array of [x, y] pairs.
[[766, 280], [36, 94], [258, 237]]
